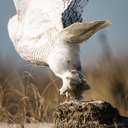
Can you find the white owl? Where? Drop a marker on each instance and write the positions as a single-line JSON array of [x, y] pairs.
[[49, 32]]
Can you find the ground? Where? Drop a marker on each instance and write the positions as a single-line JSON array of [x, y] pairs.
[[39, 125]]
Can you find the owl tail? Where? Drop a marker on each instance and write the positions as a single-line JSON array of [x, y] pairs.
[[79, 32]]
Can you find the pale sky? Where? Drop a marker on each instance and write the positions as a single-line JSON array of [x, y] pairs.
[[117, 12], [114, 10]]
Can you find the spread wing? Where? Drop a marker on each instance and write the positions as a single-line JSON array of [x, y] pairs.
[[38, 16]]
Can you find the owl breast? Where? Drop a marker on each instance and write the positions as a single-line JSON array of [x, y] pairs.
[[63, 59]]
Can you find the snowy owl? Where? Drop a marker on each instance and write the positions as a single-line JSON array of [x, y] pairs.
[[49, 32]]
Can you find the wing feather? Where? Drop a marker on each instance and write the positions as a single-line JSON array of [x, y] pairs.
[[41, 15], [36, 17], [73, 11], [21, 6]]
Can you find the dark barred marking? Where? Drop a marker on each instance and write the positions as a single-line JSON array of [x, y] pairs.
[[73, 13]]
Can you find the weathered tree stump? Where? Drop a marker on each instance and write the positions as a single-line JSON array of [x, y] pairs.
[[95, 114]]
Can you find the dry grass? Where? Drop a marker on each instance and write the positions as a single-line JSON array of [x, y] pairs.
[[109, 80], [39, 125], [24, 102], [25, 97]]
